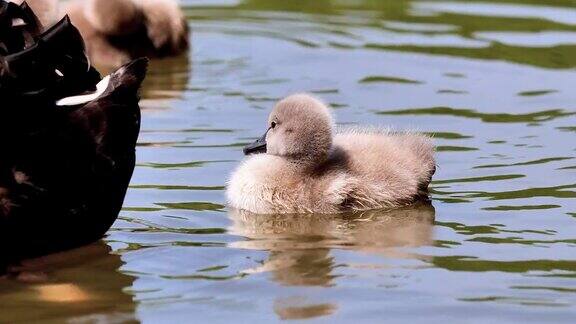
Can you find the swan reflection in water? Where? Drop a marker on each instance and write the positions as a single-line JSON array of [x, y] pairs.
[[82, 285], [167, 80], [299, 246]]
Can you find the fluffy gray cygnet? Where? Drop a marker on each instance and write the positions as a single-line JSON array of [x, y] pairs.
[[305, 166]]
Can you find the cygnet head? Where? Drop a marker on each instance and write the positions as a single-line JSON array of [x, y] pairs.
[[299, 129]]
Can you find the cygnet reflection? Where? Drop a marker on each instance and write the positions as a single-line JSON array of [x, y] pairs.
[[300, 244]]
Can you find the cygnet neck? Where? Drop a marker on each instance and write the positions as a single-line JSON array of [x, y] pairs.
[[310, 161]]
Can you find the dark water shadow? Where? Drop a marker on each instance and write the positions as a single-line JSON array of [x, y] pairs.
[[81, 285]]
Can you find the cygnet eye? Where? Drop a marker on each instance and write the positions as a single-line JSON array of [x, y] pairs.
[[273, 125]]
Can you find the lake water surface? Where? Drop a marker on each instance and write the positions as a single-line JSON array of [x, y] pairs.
[[494, 81]]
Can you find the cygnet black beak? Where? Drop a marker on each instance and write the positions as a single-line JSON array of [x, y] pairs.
[[257, 147]]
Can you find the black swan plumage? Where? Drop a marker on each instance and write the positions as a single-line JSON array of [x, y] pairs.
[[65, 164]]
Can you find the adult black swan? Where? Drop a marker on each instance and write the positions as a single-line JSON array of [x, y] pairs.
[[68, 137]]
